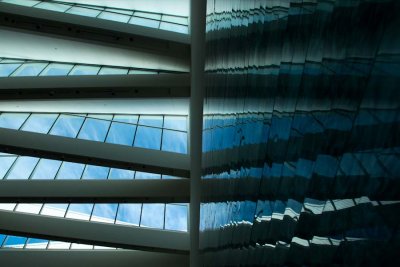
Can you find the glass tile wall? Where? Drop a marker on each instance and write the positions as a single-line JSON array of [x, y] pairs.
[[301, 148], [160, 21], [162, 132]]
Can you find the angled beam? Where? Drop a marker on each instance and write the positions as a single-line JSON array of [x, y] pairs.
[[87, 191], [90, 152], [96, 86], [101, 234], [82, 258]]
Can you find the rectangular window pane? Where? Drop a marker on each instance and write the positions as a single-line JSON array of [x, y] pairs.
[[83, 11], [58, 245], [46, 169], [34, 243], [173, 27], [5, 164], [176, 217], [114, 17], [55, 210], [112, 71], [155, 121], [22, 168], [95, 130], [7, 69], [70, 170], [56, 69], [67, 125], [147, 15], [121, 133], [174, 141], [39, 123], [121, 174], [12, 120], [95, 172], [153, 216], [53, 7], [126, 118], [29, 69], [104, 213], [175, 123], [79, 211], [129, 214], [142, 72], [29, 208], [148, 137], [147, 175], [174, 19], [120, 11], [22, 2], [14, 242], [144, 22], [84, 70], [7, 206]]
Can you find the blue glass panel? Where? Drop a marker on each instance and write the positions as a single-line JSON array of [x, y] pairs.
[[34, 243], [70, 170], [104, 212], [67, 125], [155, 121], [7, 69], [56, 69], [153, 216], [175, 123], [147, 175], [46, 169], [94, 129], [29, 69], [84, 70], [14, 242], [148, 137], [174, 141], [39, 123], [95, 172], [2, 237], [120, 174], [5, 164], [129, 214], [176, 217], [22, 168], [112, 71], [121, 133], [79, 211], [126, 118], [12, 120]]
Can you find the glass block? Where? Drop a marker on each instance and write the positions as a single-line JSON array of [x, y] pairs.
[[67, 125], [39, 123], [153, 216], [7, 69], [12, 120], [95, 172], [79, 211], [174, 141], [58, 245], [22, 168], [29, 69], [112, 71], [176, 217], [121, 133], [46, 169], [147, 137], [121, 174], [104, 213], [129, 214], [84, 70], [70, 170], [56, 69]]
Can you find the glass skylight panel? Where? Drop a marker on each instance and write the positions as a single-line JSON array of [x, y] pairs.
[[175, 123], [22, 2], [67, 125], [14, 242], [84, 70], [147, 175], [174, 141], [121, 174], [35, 243], [80, 246], [174, 19], [121, 133], [5, 164], [7, 69], [29, 69], [104, 213], [22, 168], [126, 118], [46, 169], [12, 120], [153, 216], [95, 172], [145, 22], [79, 211], [148, 120], [112, 71], [146, 15], [94, 129], [114, 16], [7, 206], [39, 123], [56, 69], [173, 27], [81, 11], [129, 214], [29, 208], [147, 137], [53, 7], [55, 210], [176, 217], [58, 245], [70, 170], [142, 72]]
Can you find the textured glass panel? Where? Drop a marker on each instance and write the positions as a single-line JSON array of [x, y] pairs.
[[112, 71], [70, 170], [126, 118], [121, 174], [83, 11], [56, 69], [173, 27], [175, 123], [22, 2], [156, 121], [84, 70], [5, 164], [39, 123], [153, 216], [29, 208], [29, 69], [22, 168], [12, 120], [67, 125], [114, 16], [7, 69], [174, 141], [104, 213], [147, 175], [121, 133], [142, 72], [58, 245], [95, 130], [176, 217], [34, 243], [53, 7], [148, 137], [144, 22], [174, 19], [56, 210], [95, 172], [79, 211], [46, 169], [129, 214], [14, 242]]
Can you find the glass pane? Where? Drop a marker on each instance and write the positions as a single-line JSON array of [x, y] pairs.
[[2, 237], [176, 217], [81, 246], [5, 164], [121, 133], [175, 123], [147, 175], [142, 72], [153, 216], [53, 7], [29, 208], [46, 169], [95, 172], [70, 170], [114, 17], [22, 168], [39, 123], [156, 121], [14, 242], [79, 211], [144, 22], [56, 69], [67, 125], [7, 69], [147, 15], [58, 245], [12, 120], [29, 69], [119, 11], [174, 141], [174, 19], [95, 130], [126, 118], [148, 137], [111, 71], [83, 11], [84, 70], [34, 243], [56, 210], [22, 2], [129, 214], [173, 27], [121, 174], [104, 213]]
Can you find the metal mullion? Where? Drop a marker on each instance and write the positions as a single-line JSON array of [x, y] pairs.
[[66, 211], [91, 213], [22, 125], [162, 131], [80, 128], [108, 129], [51, 127], [141, 212], [134, 135], [16, 69], [11, 167], [48, 63], [116, 214], [165, 211], [34, 169]]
